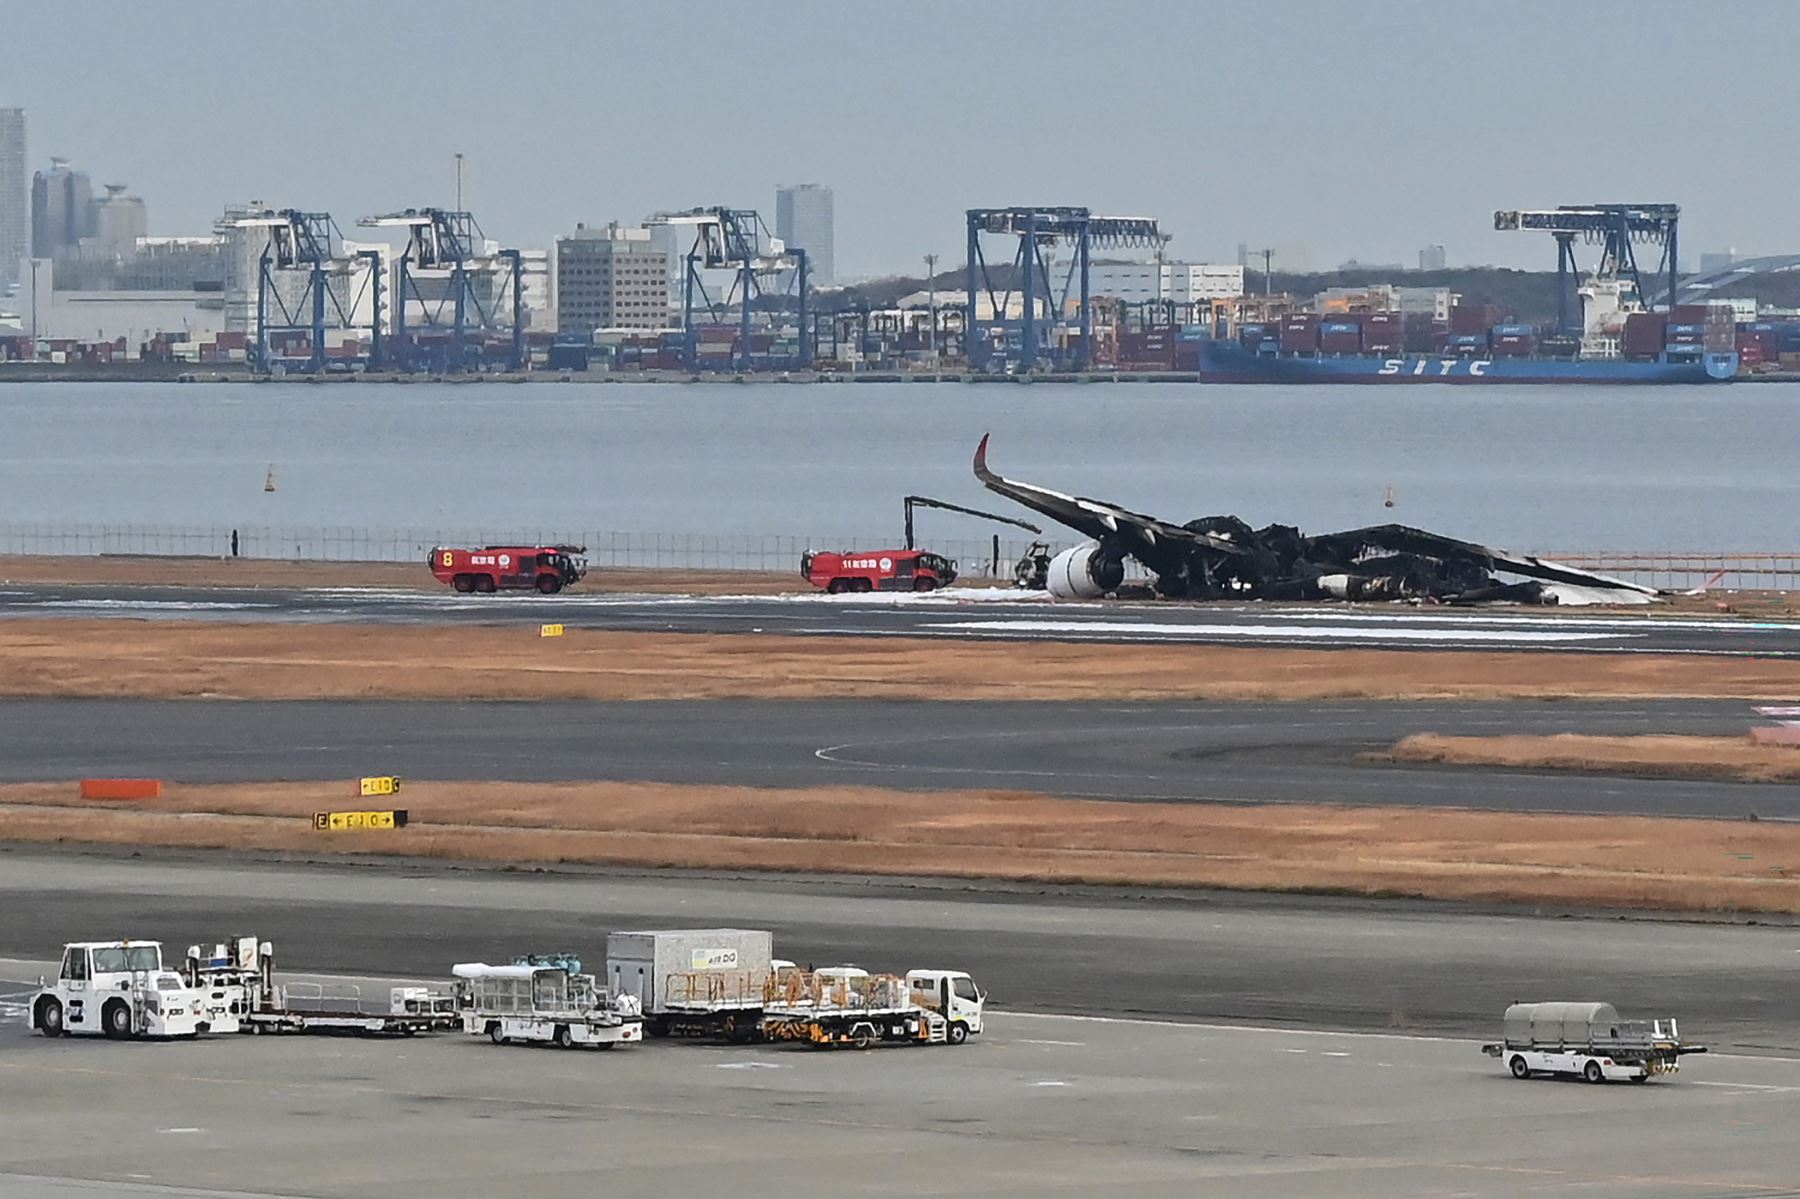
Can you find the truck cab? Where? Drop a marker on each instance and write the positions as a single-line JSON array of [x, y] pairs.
[[122, 989], [952, 995]]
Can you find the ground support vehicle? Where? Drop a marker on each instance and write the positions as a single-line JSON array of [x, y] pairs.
[[1588, 1040], [877, 570], [843, 1005], [245, 967], [546, 569], [122, 989], [705, 982], [551, 1004]]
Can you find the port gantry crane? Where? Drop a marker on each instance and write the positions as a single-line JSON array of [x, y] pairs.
[[1615, 228], [307, 242], [439, 241], [1037, 229], [737, 239]]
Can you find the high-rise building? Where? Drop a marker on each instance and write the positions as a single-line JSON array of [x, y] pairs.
[[15, 195], [803, 219], [1431, 258], [62, 210], [611, 278]]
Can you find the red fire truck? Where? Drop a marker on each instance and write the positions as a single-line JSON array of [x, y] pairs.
[[878, 570], [546, 568]]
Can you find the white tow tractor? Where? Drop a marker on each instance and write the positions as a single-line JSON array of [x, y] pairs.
[[122, 989], [1588, 1040], [245, 967], [546, 1000]]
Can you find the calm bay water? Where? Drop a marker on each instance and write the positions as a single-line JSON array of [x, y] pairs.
[[1530, 467]]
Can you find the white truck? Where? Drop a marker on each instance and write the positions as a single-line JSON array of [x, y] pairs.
[[538, 1001], [123, 989], [1587, 1040], [847, 1005], [244, 968]]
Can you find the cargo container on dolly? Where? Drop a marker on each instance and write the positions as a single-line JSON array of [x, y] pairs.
[[1588, 1040], [695, 982]]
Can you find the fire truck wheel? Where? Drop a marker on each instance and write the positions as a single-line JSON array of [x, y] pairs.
[[1593, 1073], [865, 584], [836, 586], [115, 1018], [1518, 1067], [463, 583], [49, 1017], [924, 584], [549, 584], [957, 1033], [484, 583], [562, 1037]]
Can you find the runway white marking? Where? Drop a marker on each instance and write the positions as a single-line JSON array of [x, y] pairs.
[[1278, 631]]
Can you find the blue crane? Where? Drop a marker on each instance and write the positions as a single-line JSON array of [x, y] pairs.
[[737, 239], [1615, 228], [450, 243], [1031, 279], [303, 242]]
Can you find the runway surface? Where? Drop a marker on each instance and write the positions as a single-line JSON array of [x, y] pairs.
[[1174, 1045], [1032, 1107], [969, 614], [1303, 962], [1239, 752]]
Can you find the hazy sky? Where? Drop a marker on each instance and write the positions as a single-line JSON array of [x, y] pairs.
[[1326, 130]]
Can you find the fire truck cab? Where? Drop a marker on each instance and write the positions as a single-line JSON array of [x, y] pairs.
[[877, 570], [543, 568]]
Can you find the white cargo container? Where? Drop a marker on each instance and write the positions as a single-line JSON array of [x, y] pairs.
[[693, 981]]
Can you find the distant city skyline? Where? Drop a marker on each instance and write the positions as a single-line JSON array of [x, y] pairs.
[[1260, 126]]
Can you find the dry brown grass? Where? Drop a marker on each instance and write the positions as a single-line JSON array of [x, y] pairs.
[[160, 571], [1662, 754], [1574, 860], [154, 659]]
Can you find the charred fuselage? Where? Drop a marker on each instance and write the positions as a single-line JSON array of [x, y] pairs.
[[1222, 556]]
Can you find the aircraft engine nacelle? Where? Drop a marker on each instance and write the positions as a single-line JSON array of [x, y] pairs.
[[1086, 571]]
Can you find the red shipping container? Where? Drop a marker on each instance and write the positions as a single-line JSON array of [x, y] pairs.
[[1336, 342]]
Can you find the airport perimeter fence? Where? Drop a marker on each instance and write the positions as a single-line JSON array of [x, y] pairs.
[[976, 557]]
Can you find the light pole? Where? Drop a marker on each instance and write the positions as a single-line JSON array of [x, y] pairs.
[[931, 261], [459, 206], [34, 308]]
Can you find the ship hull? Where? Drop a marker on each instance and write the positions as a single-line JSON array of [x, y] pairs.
[[1228, 362]]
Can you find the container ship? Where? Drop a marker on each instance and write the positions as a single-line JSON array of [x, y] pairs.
[[1692, 343]]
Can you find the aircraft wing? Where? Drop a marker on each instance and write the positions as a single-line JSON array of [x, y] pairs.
[[1094, 518], [1404, 539]]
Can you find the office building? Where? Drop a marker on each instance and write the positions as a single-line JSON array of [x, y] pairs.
[[1431, 258], [611, 278], [15, 195], [803, 220]]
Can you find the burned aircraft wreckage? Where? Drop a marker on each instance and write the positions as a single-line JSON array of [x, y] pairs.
[[1219, 557]]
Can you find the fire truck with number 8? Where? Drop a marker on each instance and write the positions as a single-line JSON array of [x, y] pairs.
[[547, 569]]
